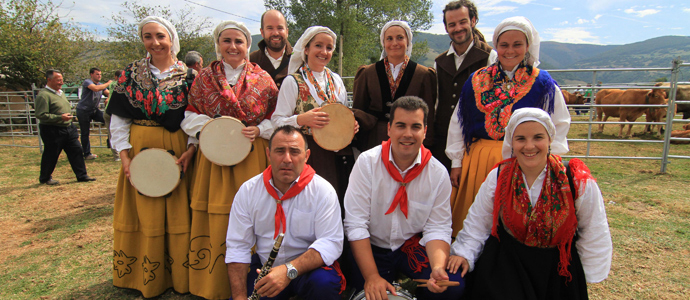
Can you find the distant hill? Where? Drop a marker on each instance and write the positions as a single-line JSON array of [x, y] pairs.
[[656, 52]]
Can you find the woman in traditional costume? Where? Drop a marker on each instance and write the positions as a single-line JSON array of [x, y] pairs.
[[486, 103], [310, 86], [395, 75], [538, 228], [230, 86], [151, 235]]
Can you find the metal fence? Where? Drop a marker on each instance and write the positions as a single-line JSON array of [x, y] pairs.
[[674, 71], [18, 123]]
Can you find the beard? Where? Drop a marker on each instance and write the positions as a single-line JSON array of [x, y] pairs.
[[468, 37], [276, 46]]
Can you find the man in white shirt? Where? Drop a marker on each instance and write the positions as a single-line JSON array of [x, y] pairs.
[[286, 198], [397, 210]]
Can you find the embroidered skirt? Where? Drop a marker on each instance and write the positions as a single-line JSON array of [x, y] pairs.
[[483, 156], [213, 192], [151, 235]]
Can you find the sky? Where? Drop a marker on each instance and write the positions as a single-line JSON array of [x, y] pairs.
[[605, 22]]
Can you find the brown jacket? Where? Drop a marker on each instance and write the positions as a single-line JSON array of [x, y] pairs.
[[450, 82], [371, 111], [259, 57]]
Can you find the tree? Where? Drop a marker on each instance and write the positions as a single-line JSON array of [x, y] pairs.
[[356, 22], [126, 45], [33, 39]]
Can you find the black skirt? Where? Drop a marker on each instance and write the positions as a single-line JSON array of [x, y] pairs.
[[508, 269]]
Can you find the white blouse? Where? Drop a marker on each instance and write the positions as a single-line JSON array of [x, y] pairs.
[[594, 239], [289, 92]]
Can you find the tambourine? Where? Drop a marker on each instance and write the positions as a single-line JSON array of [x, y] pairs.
[[402, 295], [222, 142], [340, 129], [154, 173]]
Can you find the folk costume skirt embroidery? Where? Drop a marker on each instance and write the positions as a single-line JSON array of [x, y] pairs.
[[151, 235], [213, 192], [483, 156]]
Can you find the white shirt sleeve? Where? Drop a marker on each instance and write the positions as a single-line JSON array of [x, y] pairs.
[[265, 129], [342, 92], [561, 119], [594, 238], [285, 107], [477, 225], [439, 223], [455, 143], [493, 57], [358, 201], [328, 228], [119, 129], [192, 124], [240, 237]]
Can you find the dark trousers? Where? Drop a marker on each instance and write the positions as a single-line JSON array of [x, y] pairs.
[[85, 118], [321, 283], [389, 263], [55, 139]]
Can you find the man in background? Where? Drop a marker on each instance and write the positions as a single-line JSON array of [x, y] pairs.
[[87, 109], [274, 50], [106, 116], [58, 133], [194, 60]]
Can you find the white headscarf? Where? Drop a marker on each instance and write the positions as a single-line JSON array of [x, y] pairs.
[[524, 115], [408, 30], [523, 25], [231, 25], [169, 27], [298, 56]]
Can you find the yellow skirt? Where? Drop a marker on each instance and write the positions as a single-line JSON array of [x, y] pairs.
[[483, 156], [151, 235], [213, 192]]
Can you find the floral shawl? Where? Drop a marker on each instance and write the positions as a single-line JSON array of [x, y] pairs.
[[252, 99]]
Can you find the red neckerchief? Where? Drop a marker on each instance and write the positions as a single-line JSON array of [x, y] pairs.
[[304, 179], [401, 196]]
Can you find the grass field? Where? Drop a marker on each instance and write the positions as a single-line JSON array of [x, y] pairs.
[[56, 242]]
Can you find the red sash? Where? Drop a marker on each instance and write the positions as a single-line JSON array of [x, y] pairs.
[[304, 179], [401, 195]]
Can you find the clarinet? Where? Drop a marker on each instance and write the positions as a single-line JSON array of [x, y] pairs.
[[268, 265]]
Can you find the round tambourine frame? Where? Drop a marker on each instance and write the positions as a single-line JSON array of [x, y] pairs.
[[154, 173], [222, 142], [340, 129]]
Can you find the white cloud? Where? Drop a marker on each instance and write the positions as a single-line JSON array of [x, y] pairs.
[[492, 7], [575, 35], [556, 8], [687, 10], [641, 13], [676, 28], [563, 23], [602, 5], [582, 21], [597, 17]]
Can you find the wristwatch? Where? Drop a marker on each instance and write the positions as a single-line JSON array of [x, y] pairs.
[[291, 271]]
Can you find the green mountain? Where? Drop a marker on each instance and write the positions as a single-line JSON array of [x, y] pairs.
[[653, 53]]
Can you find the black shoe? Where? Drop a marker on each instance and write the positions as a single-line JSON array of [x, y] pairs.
[[50, 182], [86, 179]]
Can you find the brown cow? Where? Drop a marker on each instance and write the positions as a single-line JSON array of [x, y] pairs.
[[635, 96], [656, 114], [681, 133], [607, 96], [682, 94], [574, 99]]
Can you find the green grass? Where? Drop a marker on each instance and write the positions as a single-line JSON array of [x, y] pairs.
[[57, 241]]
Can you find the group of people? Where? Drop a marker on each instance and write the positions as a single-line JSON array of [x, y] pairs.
[[482, 124]]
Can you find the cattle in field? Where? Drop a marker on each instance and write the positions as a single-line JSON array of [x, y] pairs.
[[629, 114], [607, 96], [685, 133], [682, 94], [656, 114], [574, 98]]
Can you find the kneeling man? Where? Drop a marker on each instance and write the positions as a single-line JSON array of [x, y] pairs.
[[397, 210], [288, 197]]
